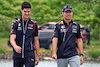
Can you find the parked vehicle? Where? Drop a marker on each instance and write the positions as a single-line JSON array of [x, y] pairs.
[[47, 26], [46, 34], [45, 39]]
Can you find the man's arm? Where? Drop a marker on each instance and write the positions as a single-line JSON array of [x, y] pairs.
[[13, 43], [36, 43], [80, 47], [54, 46]]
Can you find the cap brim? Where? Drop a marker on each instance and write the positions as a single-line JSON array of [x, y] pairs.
[[68, 9]]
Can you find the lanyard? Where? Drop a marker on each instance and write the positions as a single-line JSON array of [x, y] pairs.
[[66, 32], [24, 26]]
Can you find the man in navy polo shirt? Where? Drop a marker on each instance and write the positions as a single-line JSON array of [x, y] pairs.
[[23, 37], [64, 37], [88, 32]]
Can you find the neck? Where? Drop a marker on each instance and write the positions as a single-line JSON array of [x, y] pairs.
[[67, 21], [25, 19]]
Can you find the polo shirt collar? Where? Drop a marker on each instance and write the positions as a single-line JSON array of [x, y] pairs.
[[21, 18], [66, 23]]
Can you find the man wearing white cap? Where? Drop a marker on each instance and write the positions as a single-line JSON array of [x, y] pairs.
[[88, 31]]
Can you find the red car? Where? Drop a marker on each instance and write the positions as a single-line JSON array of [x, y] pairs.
[[47, 26], [46, 32]]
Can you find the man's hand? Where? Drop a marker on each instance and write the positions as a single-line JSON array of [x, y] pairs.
[[54, 56], [54, 46], [82, 60], [36, 60], [18, 49]]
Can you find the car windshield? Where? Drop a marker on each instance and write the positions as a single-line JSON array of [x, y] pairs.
[[48, 27], [51, 27]]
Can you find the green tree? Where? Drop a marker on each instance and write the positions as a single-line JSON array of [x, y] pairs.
[[51, 11], [97, 14]]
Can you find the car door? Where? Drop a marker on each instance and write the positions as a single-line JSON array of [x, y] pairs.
[[45, 37]]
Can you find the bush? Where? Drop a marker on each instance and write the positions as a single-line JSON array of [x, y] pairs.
[[45, 51], [2, 50], [94, 53]]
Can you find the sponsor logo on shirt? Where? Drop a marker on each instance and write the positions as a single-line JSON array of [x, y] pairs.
[[30, 26], [74, 26], [32, 59], [74, 29], [19, 28], [19, 24]]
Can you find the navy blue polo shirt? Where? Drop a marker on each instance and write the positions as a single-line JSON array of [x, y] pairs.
[[24, 37], [67, 48], [88, 31]]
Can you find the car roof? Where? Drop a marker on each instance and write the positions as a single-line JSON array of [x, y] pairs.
[[51, 23], [54, 23], [81, 26]]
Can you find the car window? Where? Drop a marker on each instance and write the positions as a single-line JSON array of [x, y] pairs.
[[82, 30], [51, 27], [47, 27]]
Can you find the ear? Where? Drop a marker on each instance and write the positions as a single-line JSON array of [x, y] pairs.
[[21, 10], [62, 13], [72, 13]]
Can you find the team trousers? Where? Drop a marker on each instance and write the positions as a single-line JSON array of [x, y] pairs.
[[72, 62], [20, 62]]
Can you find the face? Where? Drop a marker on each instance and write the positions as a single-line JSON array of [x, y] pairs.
[[88, 26], [67, 15], [25, 13]]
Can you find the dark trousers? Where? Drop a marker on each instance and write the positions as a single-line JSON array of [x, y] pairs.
[[19, 62], [88, 38]]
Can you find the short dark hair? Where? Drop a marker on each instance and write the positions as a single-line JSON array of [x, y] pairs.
[[25, 5]]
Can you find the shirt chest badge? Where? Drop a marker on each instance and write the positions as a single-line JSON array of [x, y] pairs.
[[63, 29], [19, 28], [19, 24]]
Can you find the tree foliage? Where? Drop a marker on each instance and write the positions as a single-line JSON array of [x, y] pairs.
[[85, 11]]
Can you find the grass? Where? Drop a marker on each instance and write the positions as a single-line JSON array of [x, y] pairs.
[[94, 43], [3, 42], [4, 34], [93, 49], [3, 45], [87, 49]]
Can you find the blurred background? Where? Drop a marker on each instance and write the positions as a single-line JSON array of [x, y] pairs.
[[84, 12]]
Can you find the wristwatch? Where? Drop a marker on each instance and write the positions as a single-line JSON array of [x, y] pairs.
[[81, 55]]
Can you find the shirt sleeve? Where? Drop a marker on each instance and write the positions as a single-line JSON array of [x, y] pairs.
[[56, 31], [13, 28], [36, 30], [78, 32]]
